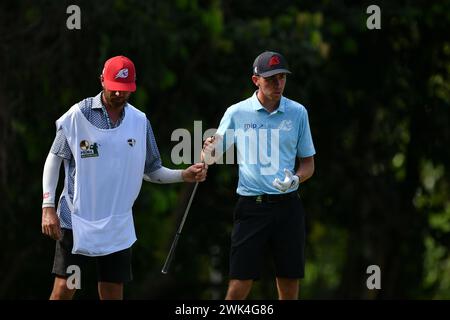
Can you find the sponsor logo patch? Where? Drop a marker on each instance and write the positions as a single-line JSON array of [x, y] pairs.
[[88, 149]]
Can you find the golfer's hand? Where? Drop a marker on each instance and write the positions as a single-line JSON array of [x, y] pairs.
[[208, 152], [195, 173], [50, 223], [290, 182]]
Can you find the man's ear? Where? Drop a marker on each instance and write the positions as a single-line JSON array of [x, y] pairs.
[[101, 81], [255, 80]]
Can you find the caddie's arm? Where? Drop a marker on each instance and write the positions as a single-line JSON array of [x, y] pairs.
[[305, 169], [50, 222]]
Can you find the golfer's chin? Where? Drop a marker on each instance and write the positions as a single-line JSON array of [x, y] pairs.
[[276, 95]]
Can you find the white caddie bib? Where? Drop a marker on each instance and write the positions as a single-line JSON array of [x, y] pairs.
[[109, 171]]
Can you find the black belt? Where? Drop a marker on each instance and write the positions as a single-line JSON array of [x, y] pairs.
[[267, 198]]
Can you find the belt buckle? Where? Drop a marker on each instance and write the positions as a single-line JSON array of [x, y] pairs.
[[259, 199]]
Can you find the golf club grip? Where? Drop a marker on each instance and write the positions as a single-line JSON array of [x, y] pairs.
[[169, 258]]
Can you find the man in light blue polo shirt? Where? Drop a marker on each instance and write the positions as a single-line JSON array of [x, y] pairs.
[[270, 132]]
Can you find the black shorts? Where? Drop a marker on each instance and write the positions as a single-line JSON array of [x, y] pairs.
[[114, 267], [276, 224]]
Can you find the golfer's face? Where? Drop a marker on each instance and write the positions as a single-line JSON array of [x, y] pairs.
[[116, 99], [273, 87]]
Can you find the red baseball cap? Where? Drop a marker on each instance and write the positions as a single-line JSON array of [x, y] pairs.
[[119, 74]]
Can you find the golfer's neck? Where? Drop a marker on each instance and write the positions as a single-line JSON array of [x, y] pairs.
[[269, 105]]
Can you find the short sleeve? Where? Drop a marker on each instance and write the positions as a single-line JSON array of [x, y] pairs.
[[152, 158], [60, 146], [226, 123], [305, 145]]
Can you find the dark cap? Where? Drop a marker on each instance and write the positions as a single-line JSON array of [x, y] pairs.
[[269, 63]]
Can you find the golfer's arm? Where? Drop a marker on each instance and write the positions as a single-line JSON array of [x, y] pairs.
[[50, 179], [164, 175], [305, 169]]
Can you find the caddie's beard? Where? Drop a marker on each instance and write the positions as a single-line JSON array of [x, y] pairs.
[[114, 101], [118, 103]]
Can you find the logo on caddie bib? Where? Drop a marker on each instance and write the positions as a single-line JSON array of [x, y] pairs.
[[131, 142], [88, 149]]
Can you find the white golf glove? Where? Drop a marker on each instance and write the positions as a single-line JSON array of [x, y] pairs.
[[290, 182]]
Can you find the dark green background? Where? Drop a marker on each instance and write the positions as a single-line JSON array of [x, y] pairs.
[[378, 103]]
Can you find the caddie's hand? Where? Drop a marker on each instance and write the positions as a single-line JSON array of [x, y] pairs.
[[290, 182], [50, 223], [195, 173], [208, 152]]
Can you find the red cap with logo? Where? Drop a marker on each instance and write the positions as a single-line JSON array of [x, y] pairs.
[[119, 74]]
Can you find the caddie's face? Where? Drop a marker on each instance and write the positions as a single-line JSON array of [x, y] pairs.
[[272, 87], [116, 99]]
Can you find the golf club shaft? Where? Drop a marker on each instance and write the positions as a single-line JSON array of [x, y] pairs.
[[169, 258], [187, 208]]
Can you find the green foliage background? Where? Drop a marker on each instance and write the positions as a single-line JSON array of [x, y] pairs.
[[378, 103]]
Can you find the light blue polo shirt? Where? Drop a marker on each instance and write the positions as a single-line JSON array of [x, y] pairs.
[[266, 143]]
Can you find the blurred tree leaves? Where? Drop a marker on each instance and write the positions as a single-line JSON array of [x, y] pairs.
[[378, 103]]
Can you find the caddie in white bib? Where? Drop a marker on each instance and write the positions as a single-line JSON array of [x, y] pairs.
[[109, 169]]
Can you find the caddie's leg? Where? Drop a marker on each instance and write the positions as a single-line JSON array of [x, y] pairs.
[[60, 290], [65, 265], [113, 271]]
